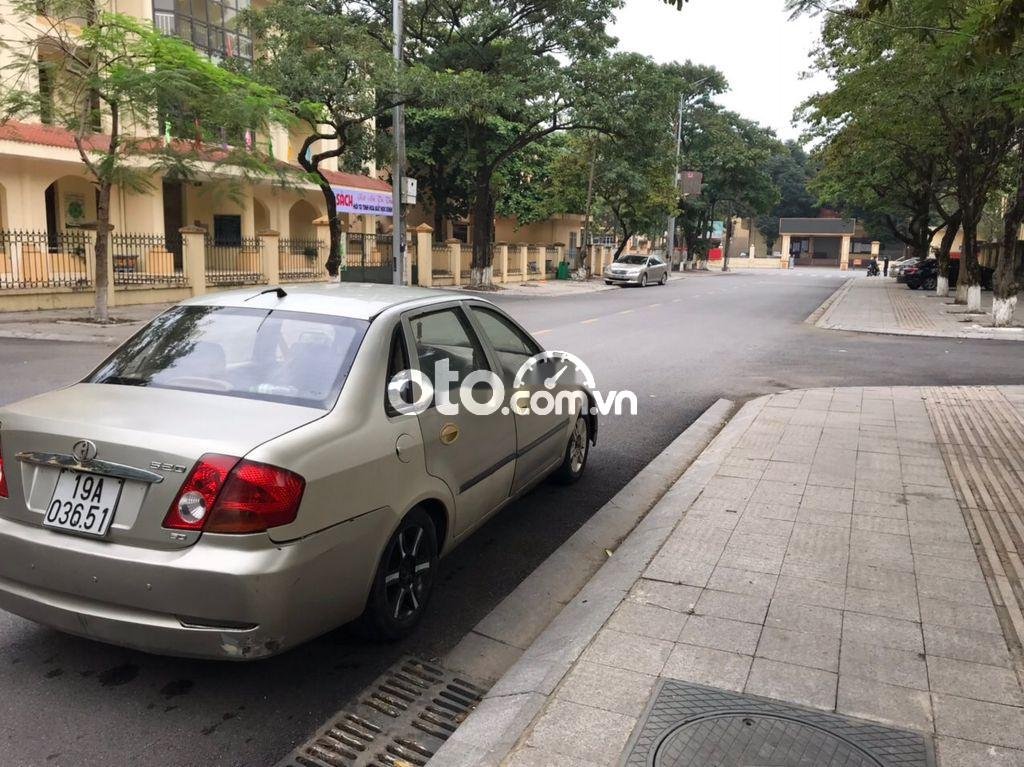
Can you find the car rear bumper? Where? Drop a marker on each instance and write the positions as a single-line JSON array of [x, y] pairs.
[[226, 597]]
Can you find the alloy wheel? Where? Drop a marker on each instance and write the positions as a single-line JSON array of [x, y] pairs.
[[578, 445], [408, 574]]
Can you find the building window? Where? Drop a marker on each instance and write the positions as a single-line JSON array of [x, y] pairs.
[[210, 25], [45, 94]]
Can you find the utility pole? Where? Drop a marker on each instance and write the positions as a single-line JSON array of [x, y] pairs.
[[671, 239], [398, 166]]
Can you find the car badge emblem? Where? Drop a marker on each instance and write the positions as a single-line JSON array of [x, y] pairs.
[[84, 450]]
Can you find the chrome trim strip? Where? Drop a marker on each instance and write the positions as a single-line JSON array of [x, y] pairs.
[[64, 461]]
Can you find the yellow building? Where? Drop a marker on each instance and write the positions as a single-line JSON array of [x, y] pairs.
[[48, 203]]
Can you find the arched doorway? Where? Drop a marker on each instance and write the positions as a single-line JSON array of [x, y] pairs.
[[261, 215], [300, 221]]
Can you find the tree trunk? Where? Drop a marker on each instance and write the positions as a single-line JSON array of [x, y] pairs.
[[584, 252], [725, 244], [948, 237], [483, 225], [1005, 284], [101, 310], [970, 271], [333, 264], [622, 244]]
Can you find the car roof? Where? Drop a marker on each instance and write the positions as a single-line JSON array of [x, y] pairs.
[[358, 300]]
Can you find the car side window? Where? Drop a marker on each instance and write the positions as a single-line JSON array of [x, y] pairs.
[[447, 335], [398, 361], [512, 345]]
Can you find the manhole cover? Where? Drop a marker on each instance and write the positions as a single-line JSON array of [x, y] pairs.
[[688, 725], [741, 740]]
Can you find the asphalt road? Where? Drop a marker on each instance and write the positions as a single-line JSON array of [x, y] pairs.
[[68, 701]]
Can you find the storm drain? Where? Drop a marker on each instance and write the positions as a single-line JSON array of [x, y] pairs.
[[401, 720], [687, 725]]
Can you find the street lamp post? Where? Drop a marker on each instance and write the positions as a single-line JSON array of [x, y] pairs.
[[398, 166], [671, 239]]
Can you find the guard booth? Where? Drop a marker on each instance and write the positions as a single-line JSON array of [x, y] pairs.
[[831, 242]]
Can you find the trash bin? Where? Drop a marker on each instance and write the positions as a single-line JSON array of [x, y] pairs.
[[563, 271]]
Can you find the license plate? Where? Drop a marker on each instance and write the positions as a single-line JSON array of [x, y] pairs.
[[83, 503]]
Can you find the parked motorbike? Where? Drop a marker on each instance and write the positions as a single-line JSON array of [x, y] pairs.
[[873, 269]]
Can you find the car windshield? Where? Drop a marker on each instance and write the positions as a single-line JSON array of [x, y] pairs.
[[289, 357], [635, 260]]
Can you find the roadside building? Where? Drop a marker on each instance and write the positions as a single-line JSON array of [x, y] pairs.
[[48, 203]]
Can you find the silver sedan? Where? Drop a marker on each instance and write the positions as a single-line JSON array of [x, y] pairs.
[[636, 270], [249, 471]]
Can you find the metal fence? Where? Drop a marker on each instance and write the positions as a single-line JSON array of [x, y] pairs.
[[368, 258], [234, 263], [46, 259], [147, 259], [302, 259]]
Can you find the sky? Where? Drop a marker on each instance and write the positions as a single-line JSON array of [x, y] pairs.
[[761, 51]]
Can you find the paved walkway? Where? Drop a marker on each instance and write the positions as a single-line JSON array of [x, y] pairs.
[[880, 305], [850, 550]]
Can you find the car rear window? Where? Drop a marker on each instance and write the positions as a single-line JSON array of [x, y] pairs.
[[279, 356]]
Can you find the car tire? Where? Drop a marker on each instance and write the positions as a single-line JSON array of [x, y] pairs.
[[404, 580], [607, 282], [929, 284], [643, 280], [664, 279], [574, 461], [914, 286]]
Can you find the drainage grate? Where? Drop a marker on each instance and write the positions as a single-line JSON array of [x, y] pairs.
[[687, 725], [402, 719]]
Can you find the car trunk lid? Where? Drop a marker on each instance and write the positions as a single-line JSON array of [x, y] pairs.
[[157, 432]]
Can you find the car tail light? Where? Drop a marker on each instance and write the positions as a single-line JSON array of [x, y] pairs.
[[3, 478], [191, 507], [223, 494], [256, 497]]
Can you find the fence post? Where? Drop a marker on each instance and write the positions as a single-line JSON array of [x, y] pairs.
[[193, 248], [270, 247], [501, 251], [455, 260], [424, 254], [524, 262]]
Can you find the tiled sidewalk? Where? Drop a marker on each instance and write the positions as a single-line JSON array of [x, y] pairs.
[[827, 562], [880, 305]]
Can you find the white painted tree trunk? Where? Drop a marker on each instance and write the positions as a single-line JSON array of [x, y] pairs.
[[942, 286], [1002, 311], [961, 293], [974, 298], [482, 276]]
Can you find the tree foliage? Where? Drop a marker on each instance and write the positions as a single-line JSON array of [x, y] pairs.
[[113, 81]]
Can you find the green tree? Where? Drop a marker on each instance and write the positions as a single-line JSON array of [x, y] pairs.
[[791, 170], [109, 77], [627, 175], [338, 78], [960, 88], [509, 75]]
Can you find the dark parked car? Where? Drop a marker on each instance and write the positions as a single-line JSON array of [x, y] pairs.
[[924, 274]]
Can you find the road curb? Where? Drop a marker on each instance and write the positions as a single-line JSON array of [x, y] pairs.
[[490, 733], [817, 317], [62, 337]]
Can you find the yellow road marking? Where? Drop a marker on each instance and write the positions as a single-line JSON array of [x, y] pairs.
[[540, 332], [587, 322], [626, 311], [651, 306]]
